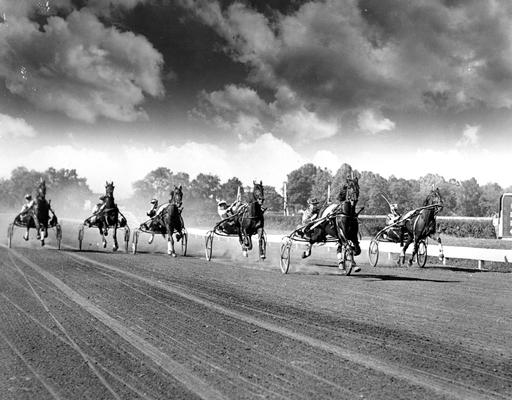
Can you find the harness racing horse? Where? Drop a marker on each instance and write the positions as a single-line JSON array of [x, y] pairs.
[[250, 221], [39, 217], [423, 225], [340, 221], [172, 220], [108, 216]]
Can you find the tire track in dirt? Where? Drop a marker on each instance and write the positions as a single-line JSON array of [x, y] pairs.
[[435, 383], [187, 378]]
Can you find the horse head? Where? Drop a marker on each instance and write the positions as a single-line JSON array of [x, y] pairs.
[[109, 188], [41, 189], [177, 195], [352, 189], [434, 197], [258, 193]]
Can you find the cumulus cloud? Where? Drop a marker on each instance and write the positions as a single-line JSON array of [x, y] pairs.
[[373, 122], [241, 110], [11, 127], [354, 55], [78, 66], [470, 136]]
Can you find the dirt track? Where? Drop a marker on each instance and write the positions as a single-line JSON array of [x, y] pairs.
[[99, 325]]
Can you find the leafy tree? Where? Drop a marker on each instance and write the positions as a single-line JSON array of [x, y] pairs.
[[273, 200], [205, 187], [489, 200], [371, 186], [159, 183], [300, 184], [229, 189], [321, 182], [468, 202]]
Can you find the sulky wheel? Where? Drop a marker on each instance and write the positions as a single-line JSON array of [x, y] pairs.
[[10, 231], [80, 237], [284, 262], [209, 245], [373, 252], [58, 230], [346, 263], [135, 241], [421, 256], [184, 242], [126, 238]]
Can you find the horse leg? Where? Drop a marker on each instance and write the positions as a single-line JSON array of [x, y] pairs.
[[401, 258], [25, 236], [115, 246], [103, 240], [170, 244], [440, 248], [261, 243], [414, 252], [307, 252], [242, 237], [340, 256]]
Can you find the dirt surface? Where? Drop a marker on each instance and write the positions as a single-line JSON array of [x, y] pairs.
[[101, 325]]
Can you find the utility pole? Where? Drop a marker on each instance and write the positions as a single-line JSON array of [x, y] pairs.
[[285, 200]]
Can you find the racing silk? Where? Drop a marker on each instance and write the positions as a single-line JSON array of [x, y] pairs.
[[28, 206], [151, 213], [223, 212], [392, 218], [309, 215]]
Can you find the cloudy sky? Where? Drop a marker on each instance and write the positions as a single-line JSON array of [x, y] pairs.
[[254, 89]]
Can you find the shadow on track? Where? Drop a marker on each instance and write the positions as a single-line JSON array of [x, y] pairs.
[[399, 278]]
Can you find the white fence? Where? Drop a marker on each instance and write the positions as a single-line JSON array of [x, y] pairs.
[[466, 253]]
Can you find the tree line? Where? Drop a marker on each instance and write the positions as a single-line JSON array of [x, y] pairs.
[[69, 191]]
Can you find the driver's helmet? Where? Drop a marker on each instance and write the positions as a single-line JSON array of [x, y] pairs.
[[28, 197], [222, 203], [154, 201], [313, 201]]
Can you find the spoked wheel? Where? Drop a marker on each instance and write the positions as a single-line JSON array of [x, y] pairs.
[[80, 237], [209, 245], [184, 242], [284, 262], [347, 260], [58, 230], [263, 246], [421, 257], [10, 231], [373, 252], [126, 238], [135, 241]]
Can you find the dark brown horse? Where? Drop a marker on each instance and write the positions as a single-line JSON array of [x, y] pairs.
[[340, 221], [250, 220], [39, 216], [422, 225], [108, 216], [172, 220]]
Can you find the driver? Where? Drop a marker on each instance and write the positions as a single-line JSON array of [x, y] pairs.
[[311, 213], [26, 210], [393, 215]]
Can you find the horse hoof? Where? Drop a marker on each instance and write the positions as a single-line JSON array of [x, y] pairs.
[[25, 237], [150, 240], [114, 248], [245, 253], [104, 245], [262, 257], [38, 237], [172, 254], [356, 269], [42, 242]]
